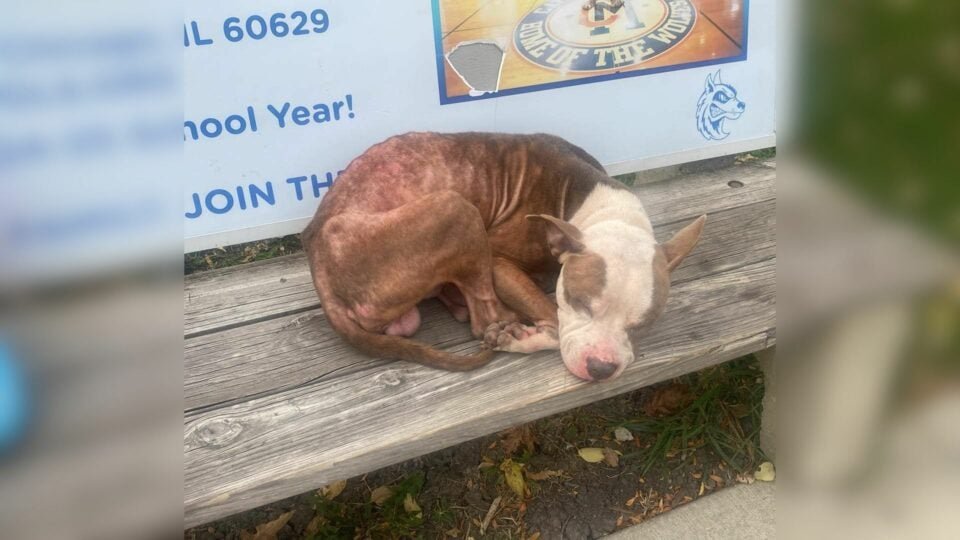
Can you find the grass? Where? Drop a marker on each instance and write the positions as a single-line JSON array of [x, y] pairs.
[[393, 518], [269, 248], [722, 412]]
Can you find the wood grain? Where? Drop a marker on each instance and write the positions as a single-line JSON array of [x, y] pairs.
[[250, 453], [291, 350]]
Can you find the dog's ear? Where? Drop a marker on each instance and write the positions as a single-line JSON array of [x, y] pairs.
[[710, 83], [562, 236], [682, 243]]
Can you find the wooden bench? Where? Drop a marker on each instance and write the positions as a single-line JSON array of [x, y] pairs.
[[277, 404]]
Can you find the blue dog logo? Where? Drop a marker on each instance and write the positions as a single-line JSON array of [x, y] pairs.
[[717, 103]]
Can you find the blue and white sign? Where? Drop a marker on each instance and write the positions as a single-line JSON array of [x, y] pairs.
[[279, 99]]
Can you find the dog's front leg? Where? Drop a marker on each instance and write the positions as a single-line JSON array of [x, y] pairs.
[[515, 289]]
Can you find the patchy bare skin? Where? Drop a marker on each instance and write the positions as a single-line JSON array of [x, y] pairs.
[[467, 218]]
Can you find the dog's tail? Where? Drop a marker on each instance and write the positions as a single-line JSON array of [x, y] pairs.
[[401, 348]]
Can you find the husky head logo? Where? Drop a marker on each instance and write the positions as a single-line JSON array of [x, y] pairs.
[[717, 103]]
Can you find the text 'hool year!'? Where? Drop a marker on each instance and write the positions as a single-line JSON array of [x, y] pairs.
[[284, 115]]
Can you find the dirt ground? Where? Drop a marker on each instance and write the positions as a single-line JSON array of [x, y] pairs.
[[678, 441]]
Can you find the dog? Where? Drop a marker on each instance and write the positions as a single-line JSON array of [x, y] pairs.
[[475, 219], [717, 104]]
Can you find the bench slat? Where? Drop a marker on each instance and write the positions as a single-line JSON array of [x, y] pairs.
[[254, 452], [292, 350], [253, 292]]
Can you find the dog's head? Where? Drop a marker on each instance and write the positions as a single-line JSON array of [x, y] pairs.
[[614, 282], [718, 103]]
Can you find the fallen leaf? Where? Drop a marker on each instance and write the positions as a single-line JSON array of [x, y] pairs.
[[745, 479], [716, 478], [314, 525], [766, 472], [490, 513], [632, 500], [620, 521], [485, 463], [454, 532], [513, 473], [410, 505], [268, 530], [521, 435], [534, 536], [623, 434], [667, 400], [591, 455], [330, 492], [702, 487], [611, 457], [697, 475], [380, 495]]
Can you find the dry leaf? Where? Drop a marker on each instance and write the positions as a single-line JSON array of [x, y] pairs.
[[454, 532], [591, 455], [269, 530], [314, 525], [623, 434], [534, 536], [330, 492], [667, 400], [490, 512], [766, 472], [620, 521], [702, 487], [380, 495], [410, 505], [611, 457], [632, 500], [513, 473], [716, 478], [522, 435]]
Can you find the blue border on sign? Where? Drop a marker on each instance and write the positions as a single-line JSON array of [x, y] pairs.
[[442, 80]]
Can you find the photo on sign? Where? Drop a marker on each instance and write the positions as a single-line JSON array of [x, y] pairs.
[[489, 48]]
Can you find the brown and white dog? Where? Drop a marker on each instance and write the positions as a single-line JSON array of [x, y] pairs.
[[474, 219]]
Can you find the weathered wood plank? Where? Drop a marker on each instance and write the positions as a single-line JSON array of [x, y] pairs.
[[240, 456], [292, 350], [234, 296]]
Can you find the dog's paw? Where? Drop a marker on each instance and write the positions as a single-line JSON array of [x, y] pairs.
[[517, 337], [501, 333]]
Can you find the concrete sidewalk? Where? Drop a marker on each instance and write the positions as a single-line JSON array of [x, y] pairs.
[[742, 511]]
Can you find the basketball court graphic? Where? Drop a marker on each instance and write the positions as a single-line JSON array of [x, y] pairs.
[[551, 43]]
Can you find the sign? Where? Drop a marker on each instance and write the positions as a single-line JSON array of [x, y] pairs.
[[280, 99]]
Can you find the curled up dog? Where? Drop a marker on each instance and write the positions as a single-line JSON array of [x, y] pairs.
[[475, 219]]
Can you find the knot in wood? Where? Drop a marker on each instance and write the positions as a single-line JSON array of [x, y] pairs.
[[389, 378], [217, 432]]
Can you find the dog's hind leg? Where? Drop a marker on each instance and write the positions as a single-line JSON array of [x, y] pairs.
[[381, 265]]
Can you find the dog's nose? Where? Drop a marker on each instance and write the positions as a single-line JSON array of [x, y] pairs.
[[600, 370], [741, 105]]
